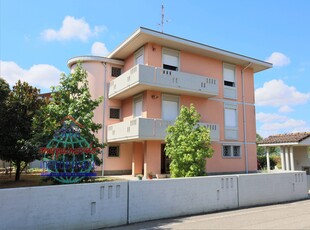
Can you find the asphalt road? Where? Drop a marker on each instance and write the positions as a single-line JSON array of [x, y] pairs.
[[294, 215]]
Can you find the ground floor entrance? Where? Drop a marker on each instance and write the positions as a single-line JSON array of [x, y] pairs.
[[165, 161]]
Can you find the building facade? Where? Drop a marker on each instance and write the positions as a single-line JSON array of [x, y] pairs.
[[146, 80]]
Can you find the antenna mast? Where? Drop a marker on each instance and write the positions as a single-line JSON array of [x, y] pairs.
[[162, 18]]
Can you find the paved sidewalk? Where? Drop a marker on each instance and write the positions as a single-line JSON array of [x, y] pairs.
[[295, 215]]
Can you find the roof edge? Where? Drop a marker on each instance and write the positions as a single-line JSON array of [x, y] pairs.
[[89, 58]]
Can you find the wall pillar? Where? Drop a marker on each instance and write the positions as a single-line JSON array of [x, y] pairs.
[[137, 158], [287, 161], [145, 159], [267, 158], [282, 158], [292, 158]]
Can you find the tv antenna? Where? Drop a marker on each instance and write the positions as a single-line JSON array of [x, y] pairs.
[[163, 21]]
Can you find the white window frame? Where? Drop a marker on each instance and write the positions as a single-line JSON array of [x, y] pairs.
[[231, 146], [136, 99], [138, 53], [170, 97], [120, 113], [119, 151], [171, 52]]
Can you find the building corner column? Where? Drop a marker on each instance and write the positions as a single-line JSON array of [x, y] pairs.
[[287, 161], [282, 158], [292, 158], [268, 160]]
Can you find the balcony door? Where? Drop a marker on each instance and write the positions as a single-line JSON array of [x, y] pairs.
[[165, 161], [137, 106], [170, 107]]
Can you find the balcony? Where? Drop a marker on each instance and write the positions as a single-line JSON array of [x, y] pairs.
[[139, 129], [142, 77]]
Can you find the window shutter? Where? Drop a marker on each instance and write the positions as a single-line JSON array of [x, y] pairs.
[[230, 117]]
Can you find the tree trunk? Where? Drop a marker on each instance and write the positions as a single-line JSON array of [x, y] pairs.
[[18, 171]]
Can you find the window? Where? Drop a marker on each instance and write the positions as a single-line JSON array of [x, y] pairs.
[[139, 57], [137, 106], [231, 121], [113, 151], [115, 113], [229, 75], [307, 169], [230, 117], [170, 107], [229, 81], [115, 72], [170, 59], [231, 151]]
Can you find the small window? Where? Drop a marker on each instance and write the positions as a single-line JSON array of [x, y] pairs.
[[113, 151], [231, 151], [115, 113], [116, 71], [170, 59], [229, 75]]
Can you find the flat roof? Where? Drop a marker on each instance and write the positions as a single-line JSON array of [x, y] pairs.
[[89, 58], [144, 35]]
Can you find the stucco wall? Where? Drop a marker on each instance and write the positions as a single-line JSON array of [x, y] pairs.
[[259, 189], [301, 157], [98, 205], [81, 206]]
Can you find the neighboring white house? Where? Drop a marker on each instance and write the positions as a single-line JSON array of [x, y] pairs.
[[295, 151]]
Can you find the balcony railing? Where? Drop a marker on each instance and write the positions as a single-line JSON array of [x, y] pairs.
[[148, 129], [142, 77]]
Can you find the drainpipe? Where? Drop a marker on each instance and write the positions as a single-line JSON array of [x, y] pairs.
[[104, 114], [244, 120]]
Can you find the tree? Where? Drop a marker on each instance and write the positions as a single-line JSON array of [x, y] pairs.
[[70, 98], [17, 111], [188, 144], [261, 150]]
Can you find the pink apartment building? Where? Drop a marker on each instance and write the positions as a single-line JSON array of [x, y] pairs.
[[146, 80]]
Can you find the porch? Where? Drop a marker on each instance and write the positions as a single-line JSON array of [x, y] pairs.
[[294, 151]]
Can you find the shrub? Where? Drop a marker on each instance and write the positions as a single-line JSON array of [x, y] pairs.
[[262, 162]]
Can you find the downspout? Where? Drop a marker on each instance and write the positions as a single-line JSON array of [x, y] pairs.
[[104, 114], [244, 120]]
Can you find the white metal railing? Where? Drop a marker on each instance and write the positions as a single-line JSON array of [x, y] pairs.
[[163, 80]]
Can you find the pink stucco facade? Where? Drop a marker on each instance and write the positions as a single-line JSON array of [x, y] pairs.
[[228, 107]]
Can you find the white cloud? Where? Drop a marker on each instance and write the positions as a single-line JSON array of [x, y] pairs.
[[72, 28], [276, 124], [276, 93], [269, 117], [278, 59], [285, 109], [42, 76], [99, 49]]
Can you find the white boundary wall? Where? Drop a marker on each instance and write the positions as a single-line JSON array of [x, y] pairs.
[[80, 206], [165, 198], [97, 205], [259, 189]]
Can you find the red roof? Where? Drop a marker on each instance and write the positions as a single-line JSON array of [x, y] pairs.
[[285, 138]]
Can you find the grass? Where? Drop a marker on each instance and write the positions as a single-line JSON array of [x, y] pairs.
[[35, 179]]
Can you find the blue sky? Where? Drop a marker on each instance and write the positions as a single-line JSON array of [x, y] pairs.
[[38, 37]]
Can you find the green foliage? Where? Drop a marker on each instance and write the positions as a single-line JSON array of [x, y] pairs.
[[262, 162], [17, 111], [261, 150], [188, 144], [70, 98]]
